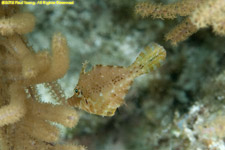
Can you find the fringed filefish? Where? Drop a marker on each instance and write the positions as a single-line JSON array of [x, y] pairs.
[[102, 90]]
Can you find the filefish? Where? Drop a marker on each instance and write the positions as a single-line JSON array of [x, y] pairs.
[[102, 90]]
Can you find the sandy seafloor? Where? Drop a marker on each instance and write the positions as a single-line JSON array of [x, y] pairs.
[[180, 106]]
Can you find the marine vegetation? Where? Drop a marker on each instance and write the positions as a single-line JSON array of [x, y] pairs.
[[199, 14]]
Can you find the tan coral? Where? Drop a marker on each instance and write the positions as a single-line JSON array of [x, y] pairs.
[[25, 122], [211, 13], [170, 11], [200, 14], [181, 32], [20, 23], [14, 111]]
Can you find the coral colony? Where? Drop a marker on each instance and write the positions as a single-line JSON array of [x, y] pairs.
[[197, 12], [24, 120]]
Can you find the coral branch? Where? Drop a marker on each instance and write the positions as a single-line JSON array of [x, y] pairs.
[[170, 11], [210, 13], [26, 122], [43, 130], [60, 114], [19, 23], [16, 109], [181, 32], [56, 91], [59, 61], [201, 14]]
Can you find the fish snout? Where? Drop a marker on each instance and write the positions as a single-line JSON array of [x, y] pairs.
[[74, 101]]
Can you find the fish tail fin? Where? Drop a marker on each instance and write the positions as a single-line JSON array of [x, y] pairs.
[[148, 60]]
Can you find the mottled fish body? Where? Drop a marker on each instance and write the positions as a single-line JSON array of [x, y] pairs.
[[102, 90]]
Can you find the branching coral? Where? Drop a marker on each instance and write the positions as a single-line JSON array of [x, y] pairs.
[[200, 14], [210, 13], [26, 122]]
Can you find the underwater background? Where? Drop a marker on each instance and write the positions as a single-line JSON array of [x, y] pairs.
[[180, 106]]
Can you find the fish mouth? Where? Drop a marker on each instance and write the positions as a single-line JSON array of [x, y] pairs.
[[74, 101]]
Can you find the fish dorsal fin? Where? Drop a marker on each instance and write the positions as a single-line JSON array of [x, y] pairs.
[[84, 66]]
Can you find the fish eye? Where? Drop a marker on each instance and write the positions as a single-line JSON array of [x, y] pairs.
[[76, 90]]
